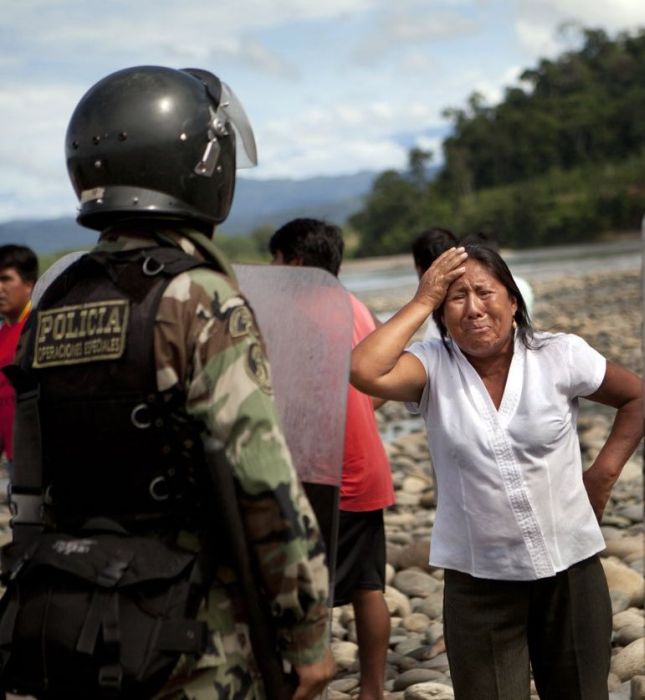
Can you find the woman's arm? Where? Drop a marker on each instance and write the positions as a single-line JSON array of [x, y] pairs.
[[380, 367], [623, 390]]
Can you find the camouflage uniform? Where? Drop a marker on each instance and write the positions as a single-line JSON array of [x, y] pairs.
[[206, 340]]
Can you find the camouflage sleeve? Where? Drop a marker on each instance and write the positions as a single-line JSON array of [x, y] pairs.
[[207, 340]]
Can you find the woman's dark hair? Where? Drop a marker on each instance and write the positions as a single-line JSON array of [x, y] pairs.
[[429, 245], [495, 264], [316, 242]]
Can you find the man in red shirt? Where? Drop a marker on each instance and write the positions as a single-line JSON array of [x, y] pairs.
[[366, 484], [18, 274]]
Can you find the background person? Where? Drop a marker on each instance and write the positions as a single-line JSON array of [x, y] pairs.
[[18, 274], [366, 483], [426, 248], [516, 528], [199, 368]]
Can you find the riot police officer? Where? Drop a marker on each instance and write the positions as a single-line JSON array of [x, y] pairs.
[[146, 355]]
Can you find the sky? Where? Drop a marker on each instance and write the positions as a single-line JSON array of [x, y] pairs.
[[330, 86]]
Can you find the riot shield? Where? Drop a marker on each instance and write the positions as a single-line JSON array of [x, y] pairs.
[[51, 273], [305, 316]]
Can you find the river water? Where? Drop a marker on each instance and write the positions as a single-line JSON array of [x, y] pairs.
[[533, 264]]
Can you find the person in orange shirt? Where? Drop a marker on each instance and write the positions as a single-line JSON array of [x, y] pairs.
[[18, 275], [366, 483]]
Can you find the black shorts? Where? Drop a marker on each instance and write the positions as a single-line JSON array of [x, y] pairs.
[[360, 560]]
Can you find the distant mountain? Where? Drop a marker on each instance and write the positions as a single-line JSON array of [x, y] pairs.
[[274, 202], [257, 202]]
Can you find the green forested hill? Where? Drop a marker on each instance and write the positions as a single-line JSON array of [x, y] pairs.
[[560, 159]]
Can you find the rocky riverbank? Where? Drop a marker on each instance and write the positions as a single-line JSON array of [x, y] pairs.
[[606, 310]]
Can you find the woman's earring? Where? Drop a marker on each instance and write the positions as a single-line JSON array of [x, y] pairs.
[[514, 324]]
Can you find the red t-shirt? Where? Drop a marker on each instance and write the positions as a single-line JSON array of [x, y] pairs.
[[9, 336], [367, 480]]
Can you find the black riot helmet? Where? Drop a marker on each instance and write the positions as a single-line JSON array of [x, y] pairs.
[[157, 142]]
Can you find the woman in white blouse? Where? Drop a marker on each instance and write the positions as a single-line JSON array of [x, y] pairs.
[[516, 527]]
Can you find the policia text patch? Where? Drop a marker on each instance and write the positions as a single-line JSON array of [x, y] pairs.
[[88, 332]]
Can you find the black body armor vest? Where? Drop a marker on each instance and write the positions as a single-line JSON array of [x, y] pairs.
[[112, 445]]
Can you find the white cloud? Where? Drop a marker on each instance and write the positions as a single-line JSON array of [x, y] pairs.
[[492, 90], [149, 24], [537, 22], [397, 29], [325, 157], [253, 53], [341, 139], [417, 62], [34, 120]]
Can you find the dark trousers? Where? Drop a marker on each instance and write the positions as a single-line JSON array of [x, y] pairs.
[[560, 625]]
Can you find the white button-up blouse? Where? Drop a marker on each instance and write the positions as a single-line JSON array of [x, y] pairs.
[[511, 503]]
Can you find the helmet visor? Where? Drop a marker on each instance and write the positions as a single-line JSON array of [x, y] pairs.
[[231, 109]]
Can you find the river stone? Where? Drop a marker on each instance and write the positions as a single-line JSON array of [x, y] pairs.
[[415, 554], [400, 537], [632, 471], [435, 632], [632, 616], [416, 484], [632, 512], [428, 500], [628, 634], [416, 622], [621, 578], [432, 606], [414, 676], [609, 532], [337, 695], [344, 685], [620, 601], [397, 602], [423, 532], [411, 643], [424, 652], [405, 663], [630, 661], [337, 629], [624, 547], [346, 614], [440, 661], [638, 688], [414, 582], [398, 519], [398, 638], [622, 692], [403, 462], [393, 554], [429, 691], [345, 653], [352, 635], [637, 565], [613, 682], [616, 520], [390, 572], [407, 499]]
